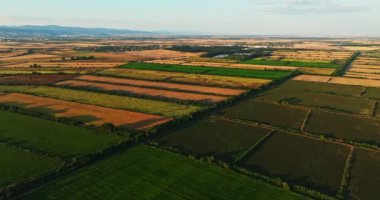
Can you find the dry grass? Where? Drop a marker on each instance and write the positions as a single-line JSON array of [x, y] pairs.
[[339, 80], [95, 115], [319, 71]]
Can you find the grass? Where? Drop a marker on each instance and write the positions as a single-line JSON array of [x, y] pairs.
[[162, 108], [52, 138], [17, 165], [364, 176], [300, 160], [210, 70], [148, 173], [274, 114], [292, 63], [222, 139], [344, 126]]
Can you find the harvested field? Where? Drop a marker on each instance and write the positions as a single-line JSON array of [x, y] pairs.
[[219, 138], [141, 91], [28, 57], [339, 80], [313, 163], [365, 175], [57, 70], [155, 107], [319, 71], [342, 126], [138, 173], [52, 138], [166, 62], [162, 54], [252, 110], [18, 165], [163, 85], [88, 114], [362, 75], [198, 79], [34, 79]]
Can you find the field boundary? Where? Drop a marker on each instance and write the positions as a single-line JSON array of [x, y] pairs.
[[346, 173]]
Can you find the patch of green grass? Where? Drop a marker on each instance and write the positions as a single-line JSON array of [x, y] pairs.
[[52, 138], [148, 173], [17, 165], [210, 70]]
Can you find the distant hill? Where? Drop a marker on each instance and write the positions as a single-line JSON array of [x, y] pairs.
[[62, 31]]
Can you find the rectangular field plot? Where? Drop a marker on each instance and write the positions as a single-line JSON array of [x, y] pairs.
[[268, 113], [34, 79], [163, 85], [155, 107], [343, 126], [86, 114], [323, 96], [210, 70], [17, 165], [146, 92], [148, 173], [52, 138], [365, 175], [197, 79], [300, 160], [220, 138]]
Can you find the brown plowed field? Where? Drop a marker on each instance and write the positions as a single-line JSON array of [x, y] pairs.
[[175, 86], [89, 114], [34, 79], [144, 91]]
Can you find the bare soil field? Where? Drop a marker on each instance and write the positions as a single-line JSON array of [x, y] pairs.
[[68, 64], [165, 85], [35, 79], [184, 96], [89, 114], [28, 57]]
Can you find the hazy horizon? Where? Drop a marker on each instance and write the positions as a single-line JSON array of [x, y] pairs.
[[222, 17]]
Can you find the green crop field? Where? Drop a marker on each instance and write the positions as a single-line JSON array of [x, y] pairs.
[[300, 160], [292, 63], [365, 175], [148, 173], [223, 139], [274, 114], [344, 126], [163, 108], [17, 165], [52, 138], [210, 70]]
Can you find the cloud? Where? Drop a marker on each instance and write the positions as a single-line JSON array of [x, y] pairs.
[[310, 6]]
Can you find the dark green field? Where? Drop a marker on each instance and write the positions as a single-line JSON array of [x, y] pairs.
[[274, 114], [344, 126], [309, 162], [365, 178], [17, 165], [52, 138], [292, 63], [148, 173], [222, 139], [210, 70], [373, 93]]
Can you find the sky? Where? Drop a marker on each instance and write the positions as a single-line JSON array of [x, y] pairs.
[[224, 17]]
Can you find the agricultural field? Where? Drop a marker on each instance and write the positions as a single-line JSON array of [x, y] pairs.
[[300, 160], [52, 138], [85, 114], [342, 126], [139, 176], [366, 164], [34, 79], [222, 139], [367, 66], [251, 110], [141, 91]]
